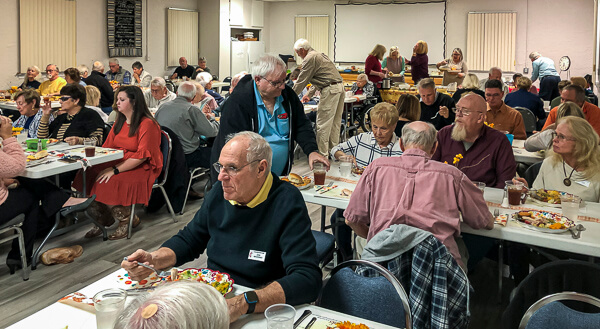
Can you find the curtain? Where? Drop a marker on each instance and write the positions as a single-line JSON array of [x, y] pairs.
[[491, 41]]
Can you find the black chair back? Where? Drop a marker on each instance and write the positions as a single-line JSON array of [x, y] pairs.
[[226, 88], [532, 172], [529, 119]]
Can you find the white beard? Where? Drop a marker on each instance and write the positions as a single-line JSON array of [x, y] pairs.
[[459, 133]]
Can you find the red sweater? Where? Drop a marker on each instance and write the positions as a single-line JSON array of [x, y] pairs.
[[372, 64]]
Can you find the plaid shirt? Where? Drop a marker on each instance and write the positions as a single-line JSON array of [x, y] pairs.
[[365, 149], [368, 89], [439, 288]]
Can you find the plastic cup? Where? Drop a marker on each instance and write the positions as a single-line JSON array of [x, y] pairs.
[[515, 189], [109, 304], [22, 137], [90, 149], [46, 99], [570, 206], [480, 185], [346, 163], [319, 172], [280, 316], [510, 137]]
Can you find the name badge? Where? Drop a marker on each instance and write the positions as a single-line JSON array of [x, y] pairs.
[[584, 183], [256, 255]]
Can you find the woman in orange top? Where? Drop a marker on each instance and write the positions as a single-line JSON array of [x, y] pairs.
[[119, 184]]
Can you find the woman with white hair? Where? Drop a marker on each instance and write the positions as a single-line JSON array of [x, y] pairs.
[[456, 68], [177, 305], [363, 86], [205, 80], [396, 64], [30, 78]]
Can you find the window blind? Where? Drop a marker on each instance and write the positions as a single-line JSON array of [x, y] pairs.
[[182, 36], [491, 39], [315, 29]]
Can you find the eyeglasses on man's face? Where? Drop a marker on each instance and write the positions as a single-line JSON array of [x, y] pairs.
[[231, 170], [465, 112], [276, 84]]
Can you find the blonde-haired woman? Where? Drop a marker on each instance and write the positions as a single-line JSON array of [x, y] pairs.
[[373, 65], [30, 78], [419, 62], [543, 140], [395, 63], [409, 110], [92, 100], [573, 164], [470, 84], [456, 68]]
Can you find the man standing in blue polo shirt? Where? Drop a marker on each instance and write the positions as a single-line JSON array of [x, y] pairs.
[[543, 67], [264, 104]]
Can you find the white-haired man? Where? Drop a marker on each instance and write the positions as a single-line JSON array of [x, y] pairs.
[[158, 93], [269, 248], [54, 84], [189, 124], [319, 70], [543, 68], [264, 104], [495, 73], [98, 79], [117, 73]]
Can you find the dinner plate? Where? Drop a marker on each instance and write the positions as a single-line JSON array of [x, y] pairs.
[[559, 218], [301, 187], [221, 281], [532, 192]]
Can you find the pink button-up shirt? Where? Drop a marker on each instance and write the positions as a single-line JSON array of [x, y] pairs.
[[414, 190]]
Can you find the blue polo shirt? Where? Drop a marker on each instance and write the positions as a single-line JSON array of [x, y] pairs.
[[275, 128]]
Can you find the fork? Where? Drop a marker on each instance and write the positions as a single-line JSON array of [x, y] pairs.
[[496, 212], [324, 186], [146, 266]]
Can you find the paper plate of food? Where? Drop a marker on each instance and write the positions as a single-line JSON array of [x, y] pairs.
[[358, 170], [549, 198], [221, 281], [543, 221], [301, 182]]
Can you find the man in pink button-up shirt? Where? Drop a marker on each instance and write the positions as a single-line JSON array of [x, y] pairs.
[[414, 190]]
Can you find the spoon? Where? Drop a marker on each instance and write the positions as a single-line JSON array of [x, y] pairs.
[[146, 266], [573, 234], [579, 229]]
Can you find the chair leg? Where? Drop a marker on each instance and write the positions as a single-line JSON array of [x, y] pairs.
[[131, 221], [24, 266], [186, 194], [500, 269], [162, 189]]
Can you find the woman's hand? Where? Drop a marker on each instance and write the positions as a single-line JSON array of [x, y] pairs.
[[5, 127], [105, 175], [47, 108], [74, 140]]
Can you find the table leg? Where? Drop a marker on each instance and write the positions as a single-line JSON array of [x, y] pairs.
[[323, 217], [500, 269]]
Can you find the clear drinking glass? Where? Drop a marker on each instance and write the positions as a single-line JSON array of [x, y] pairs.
[[346, 165], [109, 304], [280, 316], [570, 206]]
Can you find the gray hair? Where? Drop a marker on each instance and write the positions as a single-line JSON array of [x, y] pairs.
[[534, 55], [97, 66], [178, 307], [158, 82], [187, 90], [362, 76], [424, 139], [204, 78], [267, 64], [471, 81], [113, 61], [301, 44], [258, 147], [82, 69], [236, 78], [426, 83], [495, 68], [37, 69]]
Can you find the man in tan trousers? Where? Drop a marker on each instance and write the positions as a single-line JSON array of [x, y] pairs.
[[320, 71]]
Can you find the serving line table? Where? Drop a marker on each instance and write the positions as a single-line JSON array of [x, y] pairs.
[[524, 156], [50, 166], [59, 315]]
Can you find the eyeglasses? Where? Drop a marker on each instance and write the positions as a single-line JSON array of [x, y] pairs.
[[231, 170], [275, 84], [464, 112], [65, 98], [562, 137], [50, 71]]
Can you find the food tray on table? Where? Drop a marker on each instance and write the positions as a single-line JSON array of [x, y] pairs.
[[306, 181], [548, 198], [221, 281], [543, 221]]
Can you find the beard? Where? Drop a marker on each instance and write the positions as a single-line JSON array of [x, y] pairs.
[[459, 133]]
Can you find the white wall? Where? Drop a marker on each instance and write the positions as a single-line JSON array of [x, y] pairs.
[[553, 27], [209, 35], [92, 37]]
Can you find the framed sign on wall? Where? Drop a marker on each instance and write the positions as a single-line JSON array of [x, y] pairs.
[[124, 28]]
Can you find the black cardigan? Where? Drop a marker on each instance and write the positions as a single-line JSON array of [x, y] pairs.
[[240, 114], [83, 124]]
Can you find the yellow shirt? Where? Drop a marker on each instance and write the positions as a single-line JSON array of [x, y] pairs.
[[52, 87], [261, 196]]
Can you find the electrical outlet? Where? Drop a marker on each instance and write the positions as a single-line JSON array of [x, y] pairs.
[[525, 70]]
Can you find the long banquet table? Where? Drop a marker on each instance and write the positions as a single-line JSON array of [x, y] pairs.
[[59, 315]]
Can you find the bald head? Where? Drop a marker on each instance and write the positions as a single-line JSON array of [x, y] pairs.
[[495, 73], [473, 102], [419, 135], [98, 67]]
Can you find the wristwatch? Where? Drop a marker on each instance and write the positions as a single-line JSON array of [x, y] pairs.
[[252, 299], [116, 170]]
